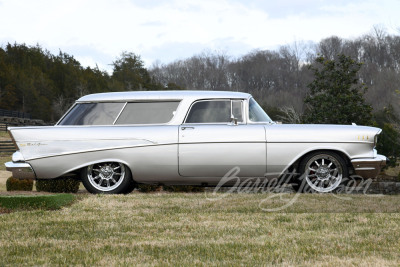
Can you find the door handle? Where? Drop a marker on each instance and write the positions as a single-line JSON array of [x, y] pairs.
[[187, 128]]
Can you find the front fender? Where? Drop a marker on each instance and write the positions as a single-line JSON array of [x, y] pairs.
[[280, 156]]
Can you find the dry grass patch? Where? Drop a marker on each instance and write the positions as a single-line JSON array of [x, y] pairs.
[[4, 175], [4, 157], [4, 136], [188, 229]]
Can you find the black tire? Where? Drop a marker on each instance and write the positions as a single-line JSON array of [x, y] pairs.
[[321, 172], [129, 188], [107, 178]]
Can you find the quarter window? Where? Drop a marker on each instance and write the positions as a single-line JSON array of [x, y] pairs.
[[256, 113]]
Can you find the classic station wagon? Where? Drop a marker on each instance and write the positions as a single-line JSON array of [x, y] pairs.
[[116, 140]]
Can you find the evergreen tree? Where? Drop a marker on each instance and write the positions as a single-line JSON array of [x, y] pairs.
[[129, 73], [336, 94]]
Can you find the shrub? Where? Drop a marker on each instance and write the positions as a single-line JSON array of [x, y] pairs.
[[14, 184], [183, 188], [63, 185]]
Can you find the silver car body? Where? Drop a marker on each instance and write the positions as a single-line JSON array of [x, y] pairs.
[[187, 153]]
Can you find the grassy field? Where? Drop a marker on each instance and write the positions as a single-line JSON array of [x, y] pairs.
[[188, 229], [34, 202]]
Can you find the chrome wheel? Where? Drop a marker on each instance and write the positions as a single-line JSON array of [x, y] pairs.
[[106, 176], [324, 172]]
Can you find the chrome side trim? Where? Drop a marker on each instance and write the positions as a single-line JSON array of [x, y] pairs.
[[20, 170]]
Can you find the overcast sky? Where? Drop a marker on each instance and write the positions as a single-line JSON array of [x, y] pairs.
[[97, 31]]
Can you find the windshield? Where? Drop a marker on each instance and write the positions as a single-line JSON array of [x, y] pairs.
[[256, 113]]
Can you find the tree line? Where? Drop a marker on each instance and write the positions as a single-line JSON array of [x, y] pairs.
[[34, 81]]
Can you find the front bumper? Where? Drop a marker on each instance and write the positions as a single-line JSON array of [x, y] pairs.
[[20, 170], [369, 168]]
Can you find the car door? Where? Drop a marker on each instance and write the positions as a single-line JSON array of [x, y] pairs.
[[215, 138]]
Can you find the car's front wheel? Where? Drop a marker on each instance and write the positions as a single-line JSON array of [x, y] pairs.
[[322, 172], [107, 178]]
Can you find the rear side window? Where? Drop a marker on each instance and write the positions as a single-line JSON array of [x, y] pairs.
[[121, 113], [93, 114], [148, 112]]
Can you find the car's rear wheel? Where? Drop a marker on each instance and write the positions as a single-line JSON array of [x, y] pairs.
[[322, 172], [107, 178]]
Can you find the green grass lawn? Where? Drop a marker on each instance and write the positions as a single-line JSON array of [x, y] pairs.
[[188, 229], [33, 202]]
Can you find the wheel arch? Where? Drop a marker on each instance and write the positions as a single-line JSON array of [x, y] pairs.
[[81, 167], [296, 162], [110, 177]]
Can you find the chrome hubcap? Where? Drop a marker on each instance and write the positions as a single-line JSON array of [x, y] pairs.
[[106, 172], [106, 176], [323, 173]]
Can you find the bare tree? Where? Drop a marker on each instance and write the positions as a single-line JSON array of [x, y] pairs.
[[60, 106], [289, 115], [330, 47]]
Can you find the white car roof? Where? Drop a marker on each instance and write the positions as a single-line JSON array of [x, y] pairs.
[[161, 95]]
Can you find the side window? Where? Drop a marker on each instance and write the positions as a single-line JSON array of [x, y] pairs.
[[215, 111], [92, 114], [147, 112]]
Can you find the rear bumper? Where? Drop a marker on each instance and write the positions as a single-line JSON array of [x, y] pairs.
[[369, 168], [20, 170]]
